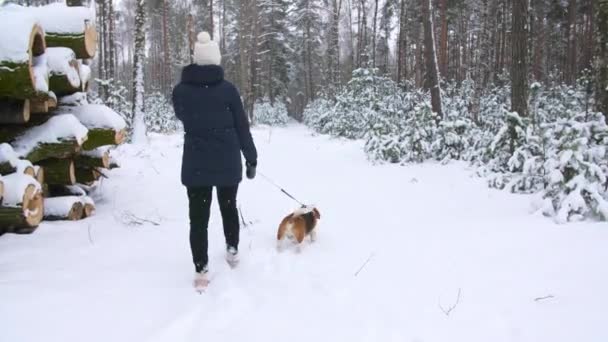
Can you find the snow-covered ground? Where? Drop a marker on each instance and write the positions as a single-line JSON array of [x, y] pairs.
[[427, 232]]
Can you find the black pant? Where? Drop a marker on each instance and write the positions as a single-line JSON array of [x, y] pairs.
[[200, 204]]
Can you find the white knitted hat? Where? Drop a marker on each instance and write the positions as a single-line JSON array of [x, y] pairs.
[[206, 51]]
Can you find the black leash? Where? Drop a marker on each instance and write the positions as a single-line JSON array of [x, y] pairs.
[[280, 188]]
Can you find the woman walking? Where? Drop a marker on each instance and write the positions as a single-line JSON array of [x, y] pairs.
[[216, 132]]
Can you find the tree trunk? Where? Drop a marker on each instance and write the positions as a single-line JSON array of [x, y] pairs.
[[602, 81], [139, 126], [402, 45], [571, 29], [432, 74], [374, 34], [443, 45], [519, 70]]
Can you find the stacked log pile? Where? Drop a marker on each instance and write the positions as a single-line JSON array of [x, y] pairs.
[[54, 146]]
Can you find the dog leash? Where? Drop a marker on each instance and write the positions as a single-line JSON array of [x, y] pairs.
[[280, 188]]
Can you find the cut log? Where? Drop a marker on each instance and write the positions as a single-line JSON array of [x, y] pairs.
[[89, 206], [59, 171], [102, 137], [62, 149], [17, 55], [87, 176], [63, 208], [84, 44], [64, 71], [1, 190], [23, 206], [93, 159], [39, 106], [60, 137], [15, 111], [52, 101]]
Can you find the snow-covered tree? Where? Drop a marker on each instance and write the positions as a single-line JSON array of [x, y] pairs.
[[139, 125], [267, 113]]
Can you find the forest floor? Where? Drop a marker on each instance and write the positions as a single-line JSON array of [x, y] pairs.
[[405, 253]]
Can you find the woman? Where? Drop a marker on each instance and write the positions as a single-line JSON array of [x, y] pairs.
[[216, 132]]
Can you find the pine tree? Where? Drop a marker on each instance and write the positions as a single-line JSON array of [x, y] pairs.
[[139, 125]]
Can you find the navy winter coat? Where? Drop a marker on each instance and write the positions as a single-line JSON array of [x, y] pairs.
[[216, 128]]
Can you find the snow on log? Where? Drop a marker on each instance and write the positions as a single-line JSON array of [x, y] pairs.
[[59, 171], [60, 137], [106, 127], [63, 208], [85, 76], [21, 41], [39, 174], [76, 99], [99, 157], [15, 111], [1, 190], [64, 71], [23, 205], [10, 162]]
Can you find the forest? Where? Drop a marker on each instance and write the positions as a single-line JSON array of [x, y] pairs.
[[515, 87]]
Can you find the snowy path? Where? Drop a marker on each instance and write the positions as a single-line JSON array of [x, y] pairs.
[[430, 230]]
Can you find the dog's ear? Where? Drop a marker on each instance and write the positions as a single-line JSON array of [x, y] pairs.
[[316, 213]]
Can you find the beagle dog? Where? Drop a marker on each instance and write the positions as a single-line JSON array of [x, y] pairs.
[[299, 224]]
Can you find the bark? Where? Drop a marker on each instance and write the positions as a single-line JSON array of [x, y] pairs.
[[374, 33], [519, 70], [62, 149], [602, 81], [402, 44], [443, 45], [87, 176], [59, 171], [98, 137], [432, 74], [571, 33]]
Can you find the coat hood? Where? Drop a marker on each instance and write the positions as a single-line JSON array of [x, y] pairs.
[[202, 74]]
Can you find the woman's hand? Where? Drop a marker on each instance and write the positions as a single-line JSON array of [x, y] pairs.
[[251, 166]]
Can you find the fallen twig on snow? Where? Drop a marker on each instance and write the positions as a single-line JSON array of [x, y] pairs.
[[449, 310], [130, 219], [538, 299], [364, 264]]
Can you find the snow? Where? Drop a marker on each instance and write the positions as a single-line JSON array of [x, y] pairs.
[[59, 206], [97, 116], [8, 155], [22, 165], [99, 152], [14, 189], [85, 73], [416, 236], [57, 128], [76, 99], [15, 31], [57, 17], [59, 61], [41, 73]]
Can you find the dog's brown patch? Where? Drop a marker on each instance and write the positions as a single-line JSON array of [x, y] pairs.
[[301, 225]]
